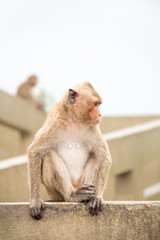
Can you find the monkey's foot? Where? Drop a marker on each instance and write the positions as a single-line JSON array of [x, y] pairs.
[[95, 205], [84, 193], [35, 210], [86, 188]]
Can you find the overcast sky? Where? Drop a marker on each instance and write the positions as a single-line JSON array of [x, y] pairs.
[[115, 45]]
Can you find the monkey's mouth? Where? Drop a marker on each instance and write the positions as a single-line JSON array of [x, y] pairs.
[[96, 121]]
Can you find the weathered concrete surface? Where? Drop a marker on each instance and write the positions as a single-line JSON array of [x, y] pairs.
[[71, 221]]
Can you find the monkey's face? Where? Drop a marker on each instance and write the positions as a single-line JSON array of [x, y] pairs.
[[89, 111], [95, 115], [86, 106]]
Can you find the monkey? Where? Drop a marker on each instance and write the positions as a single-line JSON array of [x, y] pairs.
[[69, 154], [24, 91]]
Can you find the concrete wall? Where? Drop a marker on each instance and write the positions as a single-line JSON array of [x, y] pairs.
[[19, 121], [113, 123], [71, 221], [14, 180], [135, 173]]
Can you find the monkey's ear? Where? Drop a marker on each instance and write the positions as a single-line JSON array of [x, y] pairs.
[[72, 96]]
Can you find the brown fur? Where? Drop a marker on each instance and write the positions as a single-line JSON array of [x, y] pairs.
[[73, 120]]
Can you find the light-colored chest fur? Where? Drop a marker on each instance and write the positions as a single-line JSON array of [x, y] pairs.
[[74, 152]]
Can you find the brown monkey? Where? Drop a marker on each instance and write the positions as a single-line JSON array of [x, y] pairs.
[[69, 153], [25, 91]]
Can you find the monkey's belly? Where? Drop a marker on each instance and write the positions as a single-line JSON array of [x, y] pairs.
[[74, 156]]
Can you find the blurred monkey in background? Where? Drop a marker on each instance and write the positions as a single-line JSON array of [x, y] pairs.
[[25, 91]]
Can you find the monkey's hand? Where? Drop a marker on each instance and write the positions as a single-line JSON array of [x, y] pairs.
[[35, 208], [95, 205], [84, 193]]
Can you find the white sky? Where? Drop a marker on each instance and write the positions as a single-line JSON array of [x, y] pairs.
[[115, 45]]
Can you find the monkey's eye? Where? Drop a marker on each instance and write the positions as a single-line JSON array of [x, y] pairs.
[[96, 104]]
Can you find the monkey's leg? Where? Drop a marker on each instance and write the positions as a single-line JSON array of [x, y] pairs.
[[89, 176], [90, 172], [54, 195], [55, 176]]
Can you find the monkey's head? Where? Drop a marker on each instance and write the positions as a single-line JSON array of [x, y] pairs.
[[84, 102], [32, 80]]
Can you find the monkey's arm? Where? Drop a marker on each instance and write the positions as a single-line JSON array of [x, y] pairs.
[[34, 166], [36, 151]]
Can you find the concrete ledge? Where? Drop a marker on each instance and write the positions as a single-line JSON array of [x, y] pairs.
[[71, 221]]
